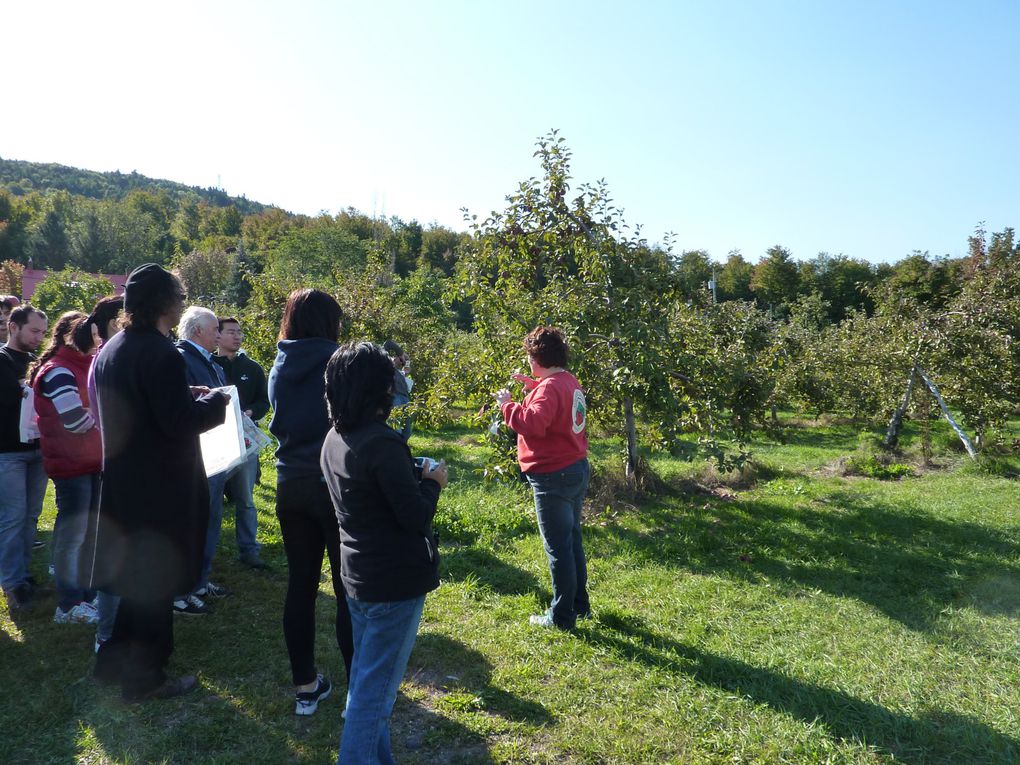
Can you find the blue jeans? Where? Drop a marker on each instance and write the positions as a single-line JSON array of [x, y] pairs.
[[107, 605], [77, 499], [22, 488], [558, 500], [212, 533], [241, 483], [384, 634]]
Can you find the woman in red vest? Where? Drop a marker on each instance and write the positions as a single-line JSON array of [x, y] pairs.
[[72, 454]]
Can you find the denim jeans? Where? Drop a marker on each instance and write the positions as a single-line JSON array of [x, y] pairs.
[[107, 605], [558, 500], [241, 483], [22, 488], [212, 533], [77, 499], [384, 635]]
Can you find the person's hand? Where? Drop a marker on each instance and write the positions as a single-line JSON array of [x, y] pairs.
[[197, 391], [248, 412], [502, 396], [438, 473], [527, 382]]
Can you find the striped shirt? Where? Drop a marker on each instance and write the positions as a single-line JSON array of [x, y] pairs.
[[59, 386]]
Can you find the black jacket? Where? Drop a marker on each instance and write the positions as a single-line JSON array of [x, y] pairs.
[[388, 551], [250, 380], [154, 501], [13, 365]]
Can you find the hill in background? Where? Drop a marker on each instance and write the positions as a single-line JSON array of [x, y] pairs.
[[21, 178]]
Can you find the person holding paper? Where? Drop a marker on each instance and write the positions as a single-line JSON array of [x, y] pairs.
[[199, 333], [249, 379], [22, 478], [308, 337], [154, 498]]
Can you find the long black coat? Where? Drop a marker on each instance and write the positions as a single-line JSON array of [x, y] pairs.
[[154, 502]]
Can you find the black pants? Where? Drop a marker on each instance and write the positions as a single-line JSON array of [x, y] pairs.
[[137, 652], [309, 527]]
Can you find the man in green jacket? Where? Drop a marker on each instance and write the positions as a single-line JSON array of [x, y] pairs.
[[250, 380]]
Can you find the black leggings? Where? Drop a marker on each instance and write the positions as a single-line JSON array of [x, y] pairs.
[[309, 527]]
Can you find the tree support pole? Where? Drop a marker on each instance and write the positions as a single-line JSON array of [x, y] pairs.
[[945, 410]]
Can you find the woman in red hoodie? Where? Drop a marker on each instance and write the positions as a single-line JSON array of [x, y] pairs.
[[552, 449], [72, 454]]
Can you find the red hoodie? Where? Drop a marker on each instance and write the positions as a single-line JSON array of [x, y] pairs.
[[550, 425]]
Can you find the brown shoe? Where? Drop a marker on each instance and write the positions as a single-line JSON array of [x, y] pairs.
[[171, 688]]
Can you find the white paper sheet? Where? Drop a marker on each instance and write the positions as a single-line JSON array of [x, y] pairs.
[[223, 446], [29, 425]]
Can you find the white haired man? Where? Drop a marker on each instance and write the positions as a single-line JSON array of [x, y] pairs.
[[199, 333]]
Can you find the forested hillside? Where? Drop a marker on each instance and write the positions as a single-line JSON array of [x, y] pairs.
[[662, 353]]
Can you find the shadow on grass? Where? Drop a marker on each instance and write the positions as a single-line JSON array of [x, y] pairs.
[[901, 560], [451, 669], [485, 568], [935, 737]]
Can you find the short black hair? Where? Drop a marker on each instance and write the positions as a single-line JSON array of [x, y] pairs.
[[5, 302], [228, 320], [311, 313], [22, 313], [547, 346], [359, 386]]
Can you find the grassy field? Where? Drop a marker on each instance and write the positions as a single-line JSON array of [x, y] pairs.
[[802, 616]]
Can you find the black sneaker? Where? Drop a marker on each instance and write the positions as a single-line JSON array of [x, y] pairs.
[[20, 596], [212, 590], [254, 562], [171, 688], [190, 606], [308, 701]]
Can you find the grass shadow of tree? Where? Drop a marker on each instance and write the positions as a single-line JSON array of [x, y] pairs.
[[903, 561], [935, 737]]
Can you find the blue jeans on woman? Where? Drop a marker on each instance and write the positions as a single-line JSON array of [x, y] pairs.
[[559, 497], [384, 635], [77, 500]]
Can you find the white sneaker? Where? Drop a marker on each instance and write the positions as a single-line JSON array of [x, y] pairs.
[[83, 613]]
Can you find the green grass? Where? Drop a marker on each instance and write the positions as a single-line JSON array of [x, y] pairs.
[[810, 618]]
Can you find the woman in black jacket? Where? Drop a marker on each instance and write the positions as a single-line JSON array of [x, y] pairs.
[[388, 551], [308, 335]]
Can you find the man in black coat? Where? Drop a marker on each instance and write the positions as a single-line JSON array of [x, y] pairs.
[[154, 503]]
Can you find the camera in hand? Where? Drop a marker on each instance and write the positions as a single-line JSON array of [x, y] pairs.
[[422, 465]]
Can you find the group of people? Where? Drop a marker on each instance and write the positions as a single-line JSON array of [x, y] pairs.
[[116, 397]]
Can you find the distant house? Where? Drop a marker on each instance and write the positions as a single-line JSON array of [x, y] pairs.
[[32, 276]]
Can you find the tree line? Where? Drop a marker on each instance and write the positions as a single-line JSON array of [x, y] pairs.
[[662, 355]]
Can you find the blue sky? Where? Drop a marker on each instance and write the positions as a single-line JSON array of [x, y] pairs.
[[867, 128]]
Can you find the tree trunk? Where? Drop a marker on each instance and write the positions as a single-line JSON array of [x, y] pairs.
[[631, 426], [945, 410], [892, 435]]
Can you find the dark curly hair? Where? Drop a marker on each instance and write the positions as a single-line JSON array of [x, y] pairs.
[[547, 346], [359, 386]]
